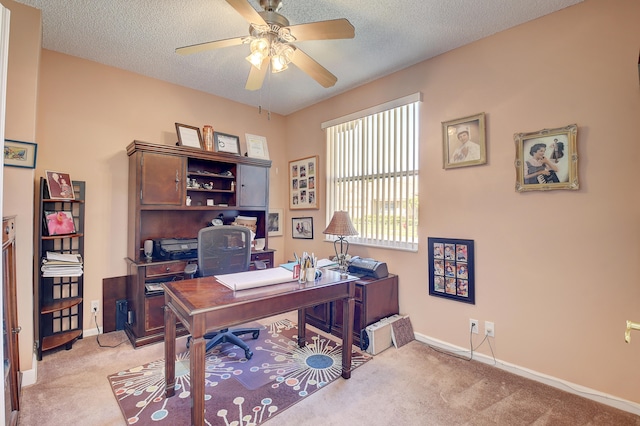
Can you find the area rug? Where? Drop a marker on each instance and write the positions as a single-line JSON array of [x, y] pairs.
[[237, 391]]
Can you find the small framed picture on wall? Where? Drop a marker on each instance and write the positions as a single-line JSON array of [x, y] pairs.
[[275, 222], [302, 227]]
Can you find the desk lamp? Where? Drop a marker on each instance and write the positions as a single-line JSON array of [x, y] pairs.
[[341, 226]]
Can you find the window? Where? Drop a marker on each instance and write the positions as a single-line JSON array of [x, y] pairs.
[[372, 172]]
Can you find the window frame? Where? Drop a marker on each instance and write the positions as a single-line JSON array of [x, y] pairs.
[[358, 144]]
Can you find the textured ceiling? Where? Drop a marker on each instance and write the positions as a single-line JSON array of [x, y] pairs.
[[141, 36]]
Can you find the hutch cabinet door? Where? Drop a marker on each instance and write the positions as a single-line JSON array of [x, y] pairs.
[[253, 186], [162, 179]]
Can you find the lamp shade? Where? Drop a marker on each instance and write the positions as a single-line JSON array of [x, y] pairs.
[[340, 225]]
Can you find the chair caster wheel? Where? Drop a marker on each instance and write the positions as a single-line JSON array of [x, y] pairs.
[[248, 354], [255, 334]]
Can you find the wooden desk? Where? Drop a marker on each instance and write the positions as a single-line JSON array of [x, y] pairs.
[[204, 304]]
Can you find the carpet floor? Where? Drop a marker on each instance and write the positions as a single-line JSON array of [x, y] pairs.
[[237, 390], [412, 385]]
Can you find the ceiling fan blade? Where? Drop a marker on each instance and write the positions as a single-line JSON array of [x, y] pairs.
[[256, 76], [244, 8], [210, 45], [323, 30], [314, 69]]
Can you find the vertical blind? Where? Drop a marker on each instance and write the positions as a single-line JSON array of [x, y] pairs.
[[372, 172]]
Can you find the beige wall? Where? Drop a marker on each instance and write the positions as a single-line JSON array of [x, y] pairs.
[[89, 113], [22, 80], [556, 271]]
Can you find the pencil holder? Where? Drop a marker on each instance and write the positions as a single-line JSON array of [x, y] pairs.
[[311, 274]]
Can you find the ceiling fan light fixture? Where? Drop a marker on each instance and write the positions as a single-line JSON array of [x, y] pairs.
[[281, 56], [271, 37], [278, 65], [259, 50], [255, 59], [260, 45]]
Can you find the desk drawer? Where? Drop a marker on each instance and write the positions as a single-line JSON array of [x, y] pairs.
[[155, 271], [265, 257]]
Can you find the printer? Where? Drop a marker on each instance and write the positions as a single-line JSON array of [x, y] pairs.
[[175, 248], [366, 267]]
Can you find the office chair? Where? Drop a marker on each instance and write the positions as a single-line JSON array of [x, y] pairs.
[[224, 249]]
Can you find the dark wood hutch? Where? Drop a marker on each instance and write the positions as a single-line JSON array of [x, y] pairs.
[[159, 177]]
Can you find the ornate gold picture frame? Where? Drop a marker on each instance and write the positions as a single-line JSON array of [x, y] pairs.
[[547, 159]]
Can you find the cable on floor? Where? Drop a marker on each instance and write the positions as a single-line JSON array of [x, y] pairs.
[[95, 318]]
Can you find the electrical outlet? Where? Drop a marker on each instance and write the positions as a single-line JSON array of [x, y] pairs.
[[489, 329], [95, 305], [473, 326]]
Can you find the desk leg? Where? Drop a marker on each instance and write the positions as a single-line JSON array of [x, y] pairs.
[[302, 327], [196, 366], [348, 308], [169, 351]]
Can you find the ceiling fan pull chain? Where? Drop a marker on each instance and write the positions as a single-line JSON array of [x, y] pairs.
[[269, 95]]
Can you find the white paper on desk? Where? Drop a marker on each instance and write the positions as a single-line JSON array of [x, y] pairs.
[[259, 278], [326, 263]]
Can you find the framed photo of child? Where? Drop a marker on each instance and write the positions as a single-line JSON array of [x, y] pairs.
[[59, 186]]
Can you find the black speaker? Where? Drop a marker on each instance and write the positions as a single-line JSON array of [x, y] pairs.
[[121, 313]]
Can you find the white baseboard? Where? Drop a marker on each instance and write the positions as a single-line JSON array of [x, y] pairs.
[[610, 400], [29, 377], [91, 332]]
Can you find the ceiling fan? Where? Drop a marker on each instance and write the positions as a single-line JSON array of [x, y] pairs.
[[270, 39]]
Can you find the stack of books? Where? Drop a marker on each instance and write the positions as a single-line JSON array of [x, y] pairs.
[[61, 265]]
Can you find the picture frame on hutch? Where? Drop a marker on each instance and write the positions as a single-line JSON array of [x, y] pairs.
[[257, 146], [302, 228], [275, 222], [226, 143], [303, 183], [547, 159], [20, 154], [464, 142], [452, 269], [189, 136]]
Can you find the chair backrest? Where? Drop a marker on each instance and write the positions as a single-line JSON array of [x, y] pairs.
[[223, 250]]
